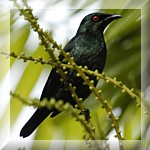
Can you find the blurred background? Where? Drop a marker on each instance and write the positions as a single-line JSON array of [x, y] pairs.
[[127, 44]]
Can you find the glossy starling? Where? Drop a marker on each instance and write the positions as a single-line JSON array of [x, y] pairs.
[[87, 48]]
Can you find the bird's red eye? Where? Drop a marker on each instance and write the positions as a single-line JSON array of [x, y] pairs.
[[95, 18]]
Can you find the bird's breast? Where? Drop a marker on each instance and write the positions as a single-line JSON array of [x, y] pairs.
[[88, 50], [94, 58]]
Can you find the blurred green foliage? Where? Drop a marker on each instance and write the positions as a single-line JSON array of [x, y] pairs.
[[123, 39]]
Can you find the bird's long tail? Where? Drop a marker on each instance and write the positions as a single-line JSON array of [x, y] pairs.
[[34, 121]]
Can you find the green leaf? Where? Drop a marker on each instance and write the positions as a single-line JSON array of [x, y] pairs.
[[18, 38], [26, 84]]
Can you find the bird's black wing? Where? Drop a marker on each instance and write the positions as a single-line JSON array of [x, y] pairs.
[[53, 83], [50, 89], [52, 86]]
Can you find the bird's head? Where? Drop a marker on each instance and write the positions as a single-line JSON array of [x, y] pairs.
[[96, 22]]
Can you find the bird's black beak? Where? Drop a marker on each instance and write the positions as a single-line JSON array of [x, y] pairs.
[[112, 17], [108, 19]]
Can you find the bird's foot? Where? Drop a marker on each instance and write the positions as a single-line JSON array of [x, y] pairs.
[[86, 113]]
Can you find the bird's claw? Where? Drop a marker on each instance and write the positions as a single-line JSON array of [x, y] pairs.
[[86, 113]]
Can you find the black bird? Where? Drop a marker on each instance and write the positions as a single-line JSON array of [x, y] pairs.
[[88, 49]]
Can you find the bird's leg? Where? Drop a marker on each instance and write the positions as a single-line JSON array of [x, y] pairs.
[[86, 113]]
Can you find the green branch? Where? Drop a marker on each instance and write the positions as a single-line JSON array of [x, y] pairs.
[[60, 106], [48, 42], [90, 84], [50, 45], [99, 76]]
